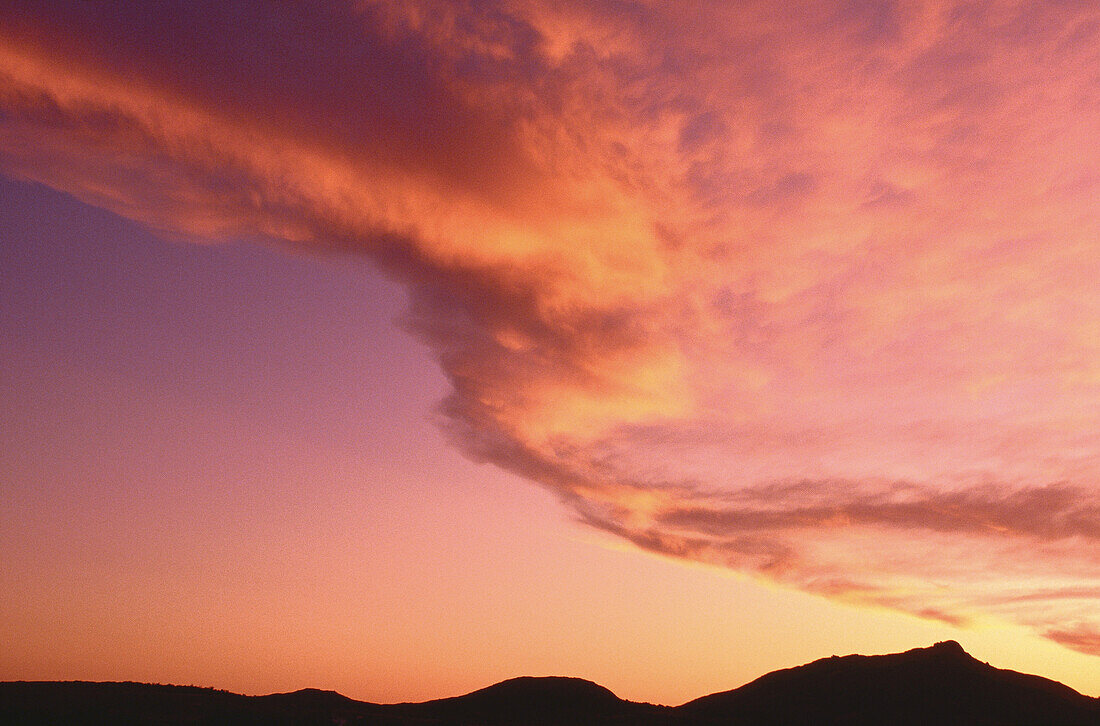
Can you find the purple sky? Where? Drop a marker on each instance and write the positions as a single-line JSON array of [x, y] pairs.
[[463, 299]]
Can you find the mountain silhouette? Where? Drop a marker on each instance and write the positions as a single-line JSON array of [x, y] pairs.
[[533, 701], [940, 685], [937, 685]]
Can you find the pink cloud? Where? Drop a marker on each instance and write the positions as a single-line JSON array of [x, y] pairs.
[[811, 297]]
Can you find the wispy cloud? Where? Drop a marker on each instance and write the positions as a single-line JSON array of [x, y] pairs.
[[809, 297]]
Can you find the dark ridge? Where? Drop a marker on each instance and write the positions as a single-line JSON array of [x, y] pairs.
[[546, 689], [313, 697], [309, 693], [946, 647], [939, 685], [527, 700]]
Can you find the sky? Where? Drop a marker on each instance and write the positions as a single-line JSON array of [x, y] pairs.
[[402, 348]]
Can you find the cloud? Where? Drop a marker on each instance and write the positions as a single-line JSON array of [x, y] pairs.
[[808, 297], [1084, 639], [945, 555]]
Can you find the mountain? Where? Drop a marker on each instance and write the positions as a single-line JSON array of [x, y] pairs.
[[534, 701], [938, 685]]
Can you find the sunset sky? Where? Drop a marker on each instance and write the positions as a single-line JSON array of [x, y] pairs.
[[401, 348]]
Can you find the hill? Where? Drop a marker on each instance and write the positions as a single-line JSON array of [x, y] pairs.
[[937, 685], [941, 684]]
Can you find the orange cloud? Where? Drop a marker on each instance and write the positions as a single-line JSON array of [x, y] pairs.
[[671, 259]]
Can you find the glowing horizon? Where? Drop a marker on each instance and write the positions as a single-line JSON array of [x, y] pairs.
[[809, 298]]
